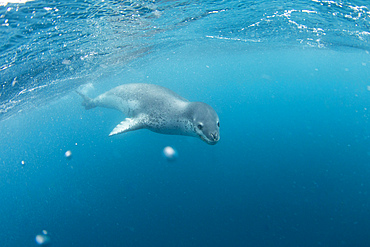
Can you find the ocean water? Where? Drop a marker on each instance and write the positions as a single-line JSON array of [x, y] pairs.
[[290, 82]]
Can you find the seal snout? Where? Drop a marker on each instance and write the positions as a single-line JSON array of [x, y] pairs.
[[215, 136]]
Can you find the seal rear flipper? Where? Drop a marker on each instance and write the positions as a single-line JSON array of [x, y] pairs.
[[88, 103], [129, 124]]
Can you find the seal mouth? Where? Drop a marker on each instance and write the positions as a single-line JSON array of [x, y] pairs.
[[208, 141]]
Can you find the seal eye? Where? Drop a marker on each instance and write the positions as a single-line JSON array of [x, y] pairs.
[[218, 124], [200, 126]]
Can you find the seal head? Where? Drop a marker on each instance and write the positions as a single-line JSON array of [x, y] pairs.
[[205, 121]]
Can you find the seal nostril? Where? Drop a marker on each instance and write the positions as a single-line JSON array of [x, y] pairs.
[[214, 136]]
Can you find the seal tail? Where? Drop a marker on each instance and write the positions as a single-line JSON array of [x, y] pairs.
[[88, 103]]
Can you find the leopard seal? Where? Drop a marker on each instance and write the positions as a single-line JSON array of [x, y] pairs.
[[153, 107]]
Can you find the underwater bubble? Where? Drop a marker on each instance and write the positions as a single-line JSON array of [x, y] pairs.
[[170, 153], [42, 239], [23, 163], [68, 155]]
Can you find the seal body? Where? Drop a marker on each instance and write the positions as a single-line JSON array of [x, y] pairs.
[[158, 109]]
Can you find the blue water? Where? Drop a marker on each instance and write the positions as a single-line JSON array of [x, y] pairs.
[[289, 81]]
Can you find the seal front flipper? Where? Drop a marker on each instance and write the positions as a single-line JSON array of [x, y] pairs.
[[88, 103], [129, 124]]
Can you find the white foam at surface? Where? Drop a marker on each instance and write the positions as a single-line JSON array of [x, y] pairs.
[[5, 2]]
